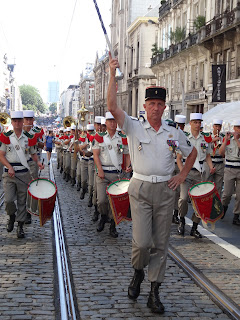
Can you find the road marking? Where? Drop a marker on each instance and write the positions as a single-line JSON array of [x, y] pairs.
[[214, 238]]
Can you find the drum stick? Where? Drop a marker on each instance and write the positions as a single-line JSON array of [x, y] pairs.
[[40, 172], [119, 74], [21, 180]]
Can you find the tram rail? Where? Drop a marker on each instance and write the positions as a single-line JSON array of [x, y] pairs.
[[222, 300], [67, 307], [2, 199]]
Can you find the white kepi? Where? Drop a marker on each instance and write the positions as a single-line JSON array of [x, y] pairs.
[[179, 118], [236, 123], [16, 115], [196, 116]]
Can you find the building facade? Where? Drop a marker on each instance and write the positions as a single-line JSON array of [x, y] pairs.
[[69, 102], [193, 36]]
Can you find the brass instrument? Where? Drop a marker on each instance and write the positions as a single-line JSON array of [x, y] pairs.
[[68, 121], [83, 112], [5, 119]]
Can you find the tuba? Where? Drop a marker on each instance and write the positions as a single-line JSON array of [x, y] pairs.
[[68, 121], [5, 119]]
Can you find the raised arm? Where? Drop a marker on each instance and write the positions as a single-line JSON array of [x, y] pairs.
[[116, 111]]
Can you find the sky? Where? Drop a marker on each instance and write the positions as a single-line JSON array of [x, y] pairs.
[[50, 41]]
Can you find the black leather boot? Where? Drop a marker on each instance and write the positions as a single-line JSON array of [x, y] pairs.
[[236, 220], [10, 223], [112, 230], [90, 201], [82, 194], [20, 232], [135, 284], [29, 218], [194, 232], [67, 177], [64, 175], [102, 222], [181, 227], [175, 218], [61, 169], [73, 181], [154, 302], [95, 215], [78, 186], [224, 211], [58, 166]]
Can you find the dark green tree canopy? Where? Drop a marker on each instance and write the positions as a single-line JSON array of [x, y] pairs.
[[31, 98], [53, 107]]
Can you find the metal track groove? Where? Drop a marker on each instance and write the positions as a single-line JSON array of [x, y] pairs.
[[67, 306], [223, 301]]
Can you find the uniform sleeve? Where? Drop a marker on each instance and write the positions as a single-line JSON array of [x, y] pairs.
[[184, 144], [127, 124], [3, 147], [125, 150], [32, 150], [95, 145]]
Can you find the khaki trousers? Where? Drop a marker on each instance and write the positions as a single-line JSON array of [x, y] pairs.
[[84, 174], [90, 176], [231, 181], [73, 165], [79, 171], [177, 192], [193, 177], [151, 209], [59, 154], [217, 177], [94, 200], [16, 189], [67, 162], [102, 198], [33, 169]]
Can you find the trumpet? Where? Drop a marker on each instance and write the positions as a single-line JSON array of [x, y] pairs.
[[68, 121], [5, 119]]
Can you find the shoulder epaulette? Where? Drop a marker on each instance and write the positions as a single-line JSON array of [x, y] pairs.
[[207, 136], [134, 118], [171, 123], [90, 137], [99, 136], [32, 138], [122, 134], [4, 137], [186, 133], [36, 129], [222, 135]]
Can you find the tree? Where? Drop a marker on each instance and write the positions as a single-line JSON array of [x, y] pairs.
[[31, 98], [53, 107]]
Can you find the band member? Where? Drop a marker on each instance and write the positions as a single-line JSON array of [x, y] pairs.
[[217, 159], [67, 155], [108, 153], [231, 150], [151, 189], [17, 147], [103, 124], [180, 120], [73, 155], [58, 146], [201, 142]]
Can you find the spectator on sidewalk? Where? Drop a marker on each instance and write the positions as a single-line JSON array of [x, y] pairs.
[[49, 142]]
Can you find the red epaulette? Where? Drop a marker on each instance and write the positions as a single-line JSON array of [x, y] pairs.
[[71, 136], [228, 143], [82, 139], [57, 135], [124, 141], [98, 138], [41, 133], [90, 137], [208, 139], [4, 139], [32, 141]]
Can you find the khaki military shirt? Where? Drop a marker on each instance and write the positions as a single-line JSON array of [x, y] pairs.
[[232, 152], [10, 152], [116, 143], [150, 150], [203, 148], [216, 145]]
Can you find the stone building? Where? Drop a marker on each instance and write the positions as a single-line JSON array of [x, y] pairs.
[[69, 102], [193, 36]]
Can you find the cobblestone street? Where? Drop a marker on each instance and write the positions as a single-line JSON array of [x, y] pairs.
[[101, 270]]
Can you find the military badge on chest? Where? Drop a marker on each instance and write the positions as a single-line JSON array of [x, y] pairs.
[[204, 147], [120, 148], [173, 145]]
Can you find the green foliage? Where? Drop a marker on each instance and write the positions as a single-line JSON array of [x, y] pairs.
[[155, 50], [53, 107], [178, 35], [31, 98], [199, 22]]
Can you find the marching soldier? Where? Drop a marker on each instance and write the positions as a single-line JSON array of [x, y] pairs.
[[67, 155], [16, 148], [103, 124], [87, 172], [108, 153], [231, 150], [73, 157], [79, 159], [58, 146], [180, 120], [201, 142], [151, 190], [217, 159]]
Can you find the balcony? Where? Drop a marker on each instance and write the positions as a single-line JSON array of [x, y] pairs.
[[176, 2], [165, 7]]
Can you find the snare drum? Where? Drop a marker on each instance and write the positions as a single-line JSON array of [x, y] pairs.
[[117, 192], [206, 201], [41, 198]]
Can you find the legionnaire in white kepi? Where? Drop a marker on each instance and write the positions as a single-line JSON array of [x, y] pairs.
[[231, 150], [201, 142], [17, 146], [152, 146]]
